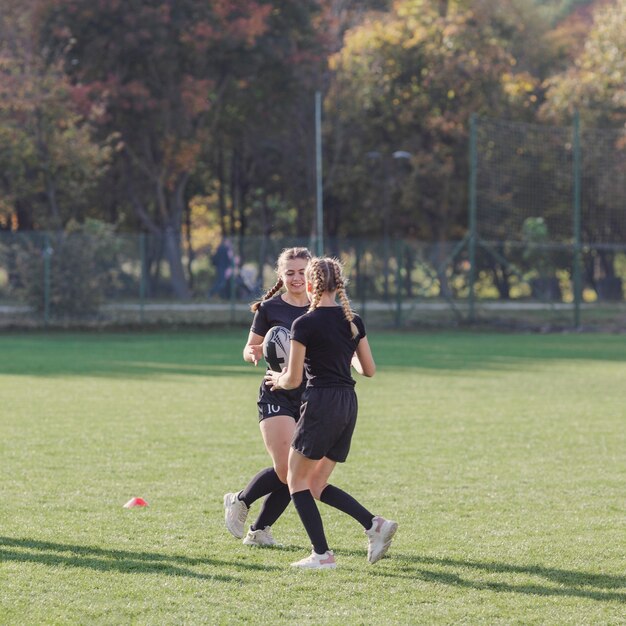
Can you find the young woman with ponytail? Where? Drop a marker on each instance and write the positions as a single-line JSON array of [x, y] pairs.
[[325, 341], [278, 410]]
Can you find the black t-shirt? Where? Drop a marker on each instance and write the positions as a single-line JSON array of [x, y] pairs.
[[275, 312], [329, 346]]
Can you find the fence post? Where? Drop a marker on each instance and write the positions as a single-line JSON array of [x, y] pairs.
[[233, 288], [319, 187], [577, 222], [47, 254], [472, 214], [399, 284], [142, 277]]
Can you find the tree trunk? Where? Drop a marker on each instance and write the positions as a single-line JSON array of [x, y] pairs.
[[234, 189], [607, 258], [501, 274], [24, 216], [440, 260], [190, 251], [171, 239], [409, 264], [221, 195], [44, 158], [169, 231]]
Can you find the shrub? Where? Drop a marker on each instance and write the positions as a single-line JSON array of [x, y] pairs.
[[72, 267]]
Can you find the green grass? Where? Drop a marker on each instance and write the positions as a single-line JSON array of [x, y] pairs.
[[501, 456]]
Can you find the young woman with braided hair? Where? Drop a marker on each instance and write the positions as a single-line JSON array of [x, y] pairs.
[[325, 341], [278, 410]]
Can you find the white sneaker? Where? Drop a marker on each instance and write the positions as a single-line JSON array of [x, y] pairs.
[[379, 538], [235, 514], [260, 537], [317, 561]]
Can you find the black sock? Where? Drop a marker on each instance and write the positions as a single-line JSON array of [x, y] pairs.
[[335, 497], [272, 508], [263, 483], [311, 519]]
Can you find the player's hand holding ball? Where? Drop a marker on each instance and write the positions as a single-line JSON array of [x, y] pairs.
[[271, 378]]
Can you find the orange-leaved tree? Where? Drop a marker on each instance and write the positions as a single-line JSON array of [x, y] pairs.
[[171, 74]]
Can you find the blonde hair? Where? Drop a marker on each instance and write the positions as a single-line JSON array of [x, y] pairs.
[[326, 275], [288, 254]]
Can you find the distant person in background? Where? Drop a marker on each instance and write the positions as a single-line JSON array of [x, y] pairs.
[[223, 260]]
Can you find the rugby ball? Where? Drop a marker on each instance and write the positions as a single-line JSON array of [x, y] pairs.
[[276, 344]]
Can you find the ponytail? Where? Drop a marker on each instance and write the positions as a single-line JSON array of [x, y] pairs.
[[254, 307]]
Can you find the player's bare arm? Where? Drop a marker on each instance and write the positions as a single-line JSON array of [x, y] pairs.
[[363, 361], [253, 350]]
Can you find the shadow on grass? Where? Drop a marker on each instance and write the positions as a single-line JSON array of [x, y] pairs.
[[570, 582], [123, 370], [122, 561], [215, 355], [495, 352]]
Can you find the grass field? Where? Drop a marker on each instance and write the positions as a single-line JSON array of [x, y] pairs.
[[503, 458]]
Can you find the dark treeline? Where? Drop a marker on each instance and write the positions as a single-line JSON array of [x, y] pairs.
[[173, 116]]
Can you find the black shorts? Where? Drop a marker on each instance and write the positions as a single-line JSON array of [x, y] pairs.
[[272, 403], [327, 421]]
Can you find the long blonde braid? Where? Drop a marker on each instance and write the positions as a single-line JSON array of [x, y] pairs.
[[343, 296], [325, 274], [267, 295], [318, 282], [288, 254]]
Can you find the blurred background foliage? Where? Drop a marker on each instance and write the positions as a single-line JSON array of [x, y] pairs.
[[189, 120]]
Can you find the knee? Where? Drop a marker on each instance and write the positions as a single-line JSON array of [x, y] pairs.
[[316, 487], [281, 471]]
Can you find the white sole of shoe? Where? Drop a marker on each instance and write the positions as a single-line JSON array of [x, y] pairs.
[[261, 545], [295, 566], [309, 564]]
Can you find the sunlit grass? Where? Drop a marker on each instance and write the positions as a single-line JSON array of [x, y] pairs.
[[501, 456]]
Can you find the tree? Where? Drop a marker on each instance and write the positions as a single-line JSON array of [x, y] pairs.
[[595, 86], [410, 80], [49, 160], [175, 75]]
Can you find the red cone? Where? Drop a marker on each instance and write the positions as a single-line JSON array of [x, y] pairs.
[[135, 502]]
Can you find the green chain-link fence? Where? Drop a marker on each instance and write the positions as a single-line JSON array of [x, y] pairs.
[[547, 214], [546, 246], [48, 279]]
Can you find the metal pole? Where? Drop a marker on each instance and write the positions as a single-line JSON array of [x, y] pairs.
[[577, 222], [386, 215], [472, 215], [47, 254], [319, 212]]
